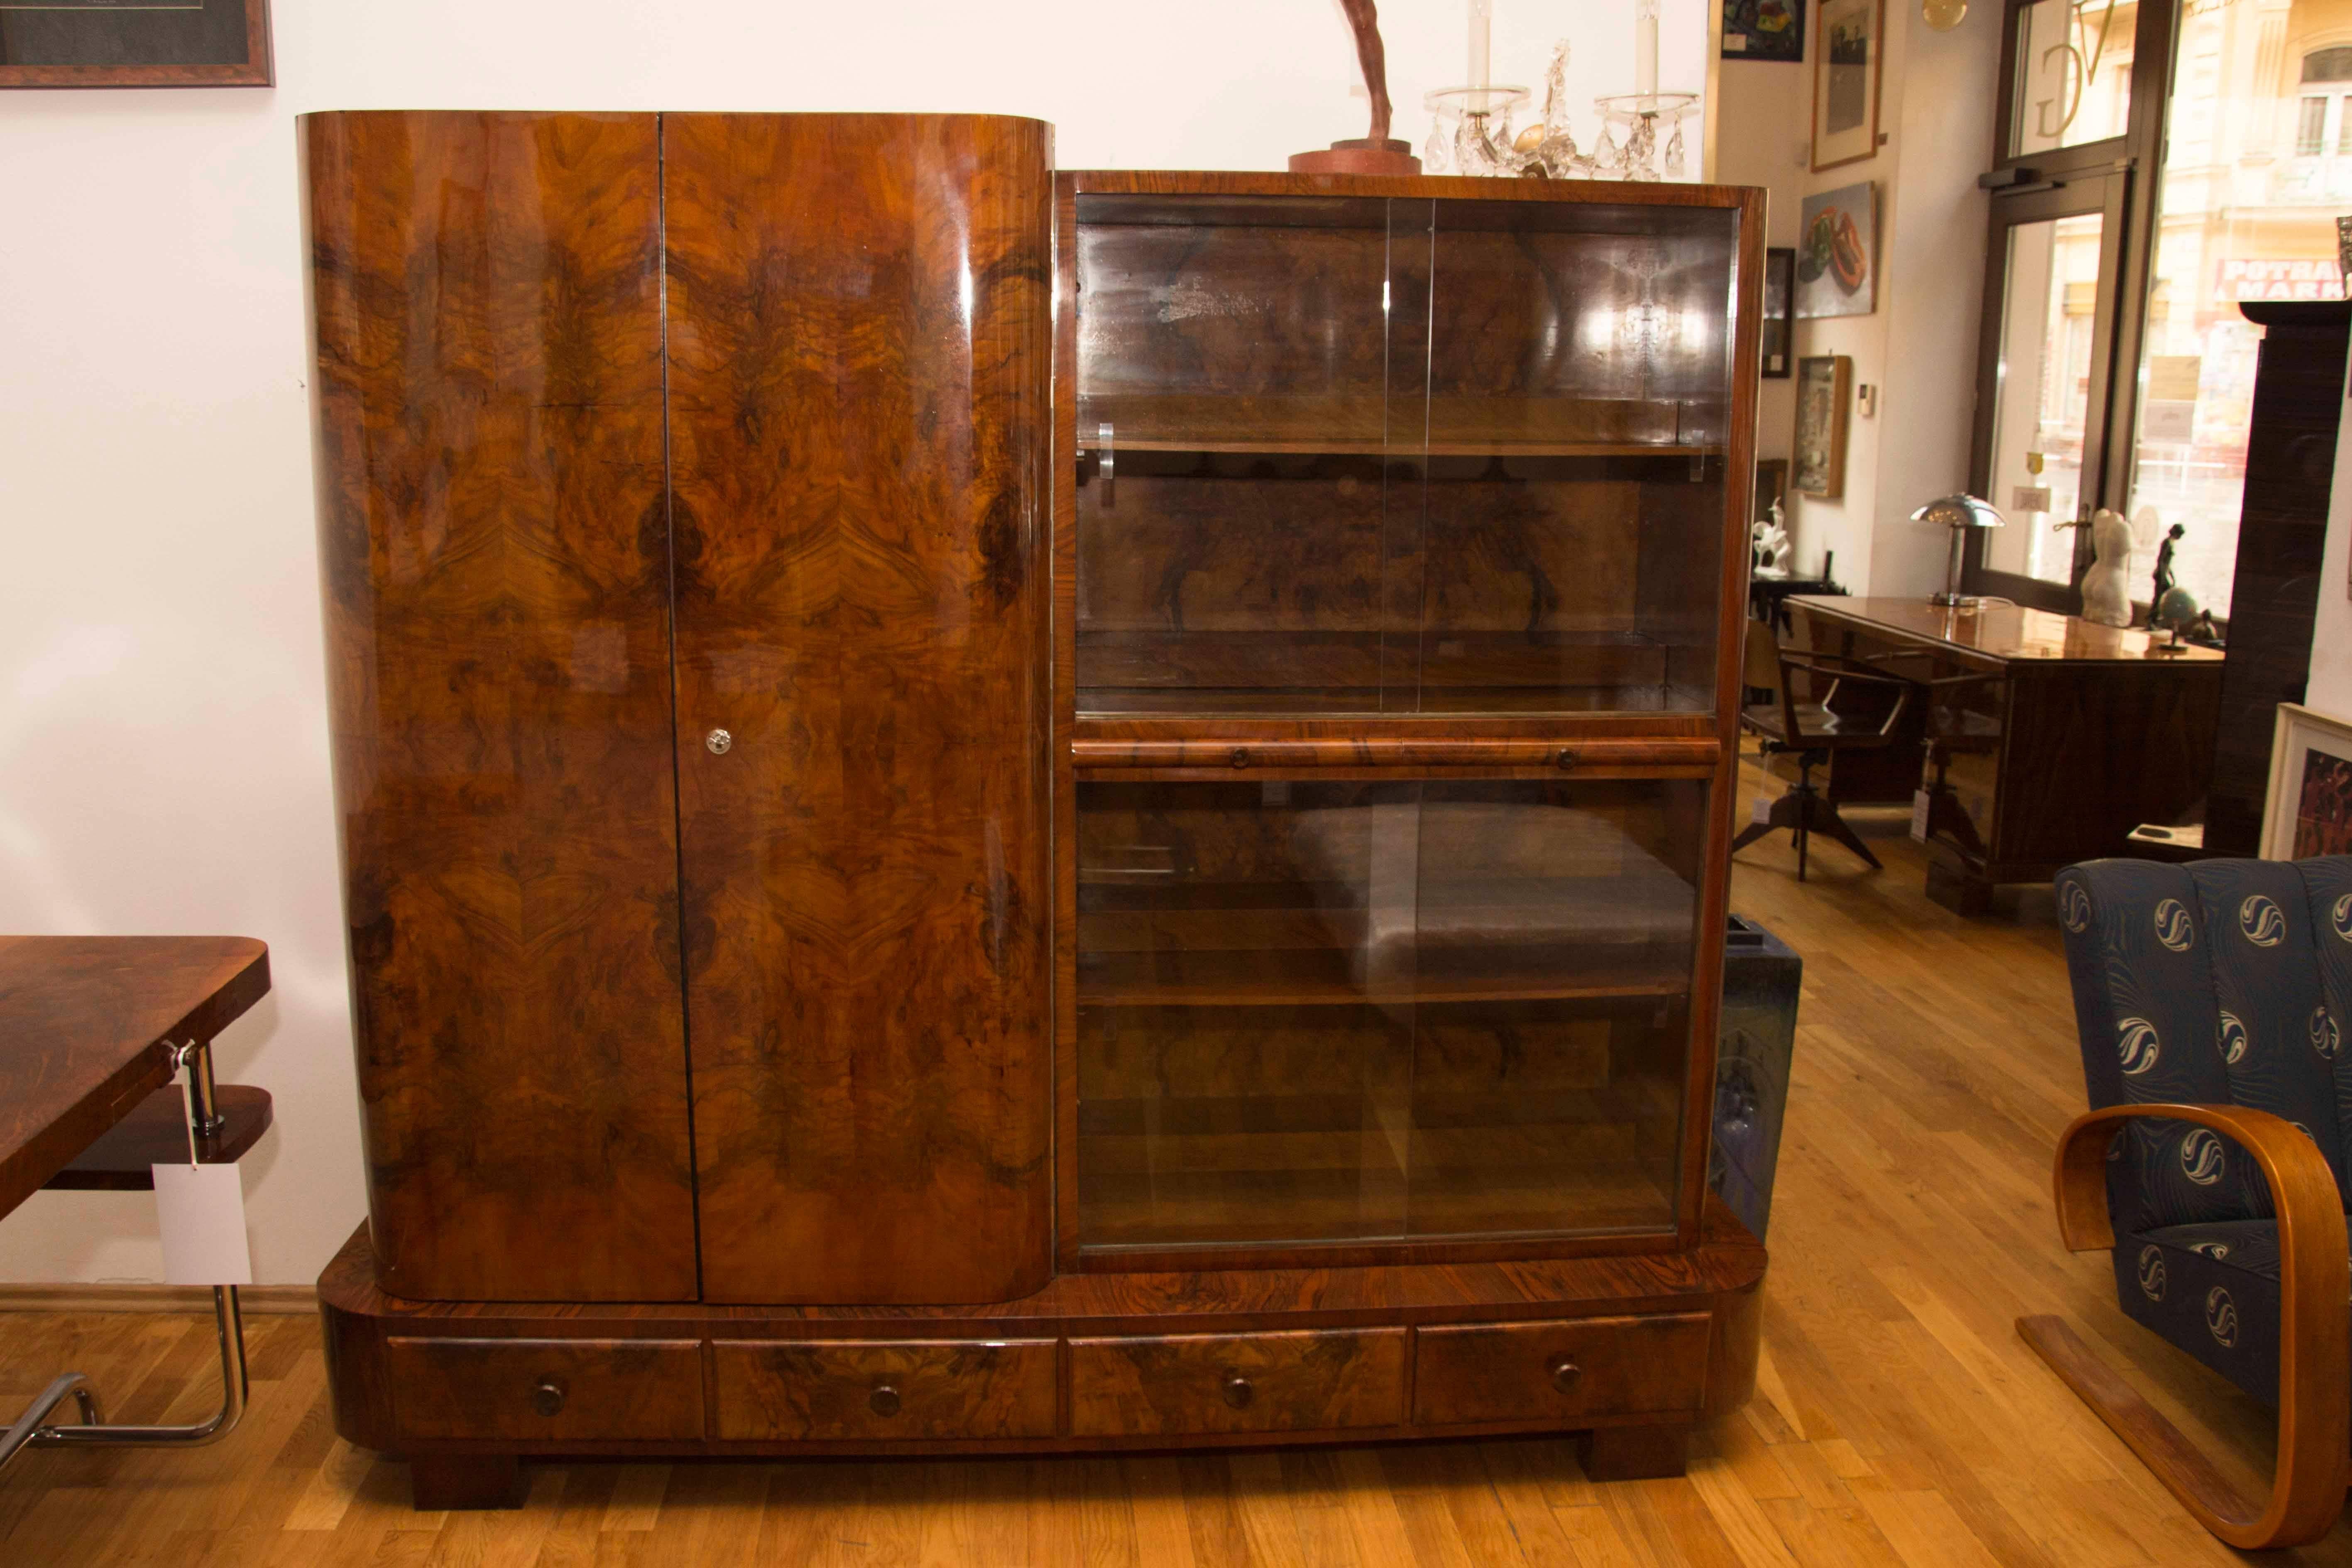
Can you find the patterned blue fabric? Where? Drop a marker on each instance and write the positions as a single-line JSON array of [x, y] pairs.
[[2327, 903], [2278, 1041], [2213, 1290], [2144, 1006], [2218, 982]]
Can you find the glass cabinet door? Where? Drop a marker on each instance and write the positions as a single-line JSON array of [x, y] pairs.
[[1580, 386], [1250, 375], [1323, 1011], [1351, 456]]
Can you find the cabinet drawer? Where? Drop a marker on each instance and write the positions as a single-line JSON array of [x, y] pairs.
[[1564, 1370], [1301, 1382], [783, 1389], [546, 1388]]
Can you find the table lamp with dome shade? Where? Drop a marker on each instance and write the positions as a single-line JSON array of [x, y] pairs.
[[1959, 513]]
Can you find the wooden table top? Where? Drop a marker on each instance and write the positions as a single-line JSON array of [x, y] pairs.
[[2002, 631], [82, 1024]]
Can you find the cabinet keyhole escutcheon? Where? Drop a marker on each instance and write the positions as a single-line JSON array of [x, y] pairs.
[[719, 742]]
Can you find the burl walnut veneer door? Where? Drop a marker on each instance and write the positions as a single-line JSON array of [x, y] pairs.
[[492, 538], [859, 359]]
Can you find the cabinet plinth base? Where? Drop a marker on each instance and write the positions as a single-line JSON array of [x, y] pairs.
[[1634, 1452], [1631, 1349], [440, 1481]]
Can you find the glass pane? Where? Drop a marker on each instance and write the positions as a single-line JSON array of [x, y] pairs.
[[1321, 1011], [2042, 392], [2246, 208], [1402, 457], [2074, 74], [1247, 369], [1579, 386]]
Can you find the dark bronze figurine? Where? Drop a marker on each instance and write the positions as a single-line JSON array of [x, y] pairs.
[[1376, 154]]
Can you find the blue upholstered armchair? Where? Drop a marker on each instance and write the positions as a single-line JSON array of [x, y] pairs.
[[2212, 1000]]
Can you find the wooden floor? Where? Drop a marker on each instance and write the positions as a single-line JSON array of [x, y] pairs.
[[1900, 1420]]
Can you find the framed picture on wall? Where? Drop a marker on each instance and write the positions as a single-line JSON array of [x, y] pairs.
[[1848, 38], [1824, 388], [134, 43], [1837, 265], [1779, 314], [1771, 486], [2309, 809], [1764, 30]]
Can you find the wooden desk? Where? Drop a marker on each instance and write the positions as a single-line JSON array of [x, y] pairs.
[[2046, 739], [91, 1034], [84, 1027]]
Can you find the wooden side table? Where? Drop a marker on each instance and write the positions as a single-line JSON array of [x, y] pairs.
[[93, 1030]]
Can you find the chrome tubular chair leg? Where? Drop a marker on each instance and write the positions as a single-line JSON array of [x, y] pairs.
[[229, 1326], [28, 1426]]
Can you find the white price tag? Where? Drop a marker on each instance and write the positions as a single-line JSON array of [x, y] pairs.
[[200, 1209], [1919, 802], [1762, 810]]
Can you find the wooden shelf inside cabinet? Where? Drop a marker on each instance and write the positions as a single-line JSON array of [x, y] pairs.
[[1359, 426], [1329, 978], [1268, 1207]]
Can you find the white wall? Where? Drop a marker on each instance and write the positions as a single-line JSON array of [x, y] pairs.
[[163, 725], [1936, 110]]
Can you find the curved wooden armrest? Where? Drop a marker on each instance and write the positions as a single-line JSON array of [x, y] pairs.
[[2314, 1328]]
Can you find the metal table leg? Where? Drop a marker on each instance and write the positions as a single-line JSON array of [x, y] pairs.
[[28, 1431]]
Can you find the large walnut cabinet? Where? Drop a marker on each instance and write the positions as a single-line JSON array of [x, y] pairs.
[[984, 810]]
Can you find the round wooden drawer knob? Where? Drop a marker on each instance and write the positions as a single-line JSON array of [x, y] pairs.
[[1238, 1392], [1565, 1373], [1241, 758], [547, 1397], [884, 1400]]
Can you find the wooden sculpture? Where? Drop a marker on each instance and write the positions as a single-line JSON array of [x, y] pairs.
[[1376, 153]]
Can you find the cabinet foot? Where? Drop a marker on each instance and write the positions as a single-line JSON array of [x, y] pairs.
[[1632, 1453], [439, 1481], [1957, 891]]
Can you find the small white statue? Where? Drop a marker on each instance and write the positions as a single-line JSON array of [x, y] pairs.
[[2106, 588], [1771, 542]]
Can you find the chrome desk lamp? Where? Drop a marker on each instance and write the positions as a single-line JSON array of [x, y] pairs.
[[1959, 513]]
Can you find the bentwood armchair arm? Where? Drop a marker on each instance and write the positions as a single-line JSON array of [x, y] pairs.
[[2314, 1408]]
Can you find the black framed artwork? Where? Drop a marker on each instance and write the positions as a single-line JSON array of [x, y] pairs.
[[1764, 29], [1779, 314], [152, 43]]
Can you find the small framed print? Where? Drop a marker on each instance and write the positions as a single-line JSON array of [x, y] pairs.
[[1824, 388], [1764, 30], [1848, 38], [134, 43], [1771, 486], [2309, 809], [1779, 314]]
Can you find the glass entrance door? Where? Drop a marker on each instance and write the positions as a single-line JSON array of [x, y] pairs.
[[2045, 383]]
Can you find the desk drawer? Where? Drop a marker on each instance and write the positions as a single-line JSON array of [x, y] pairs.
[[1301, 1382], [1563, 1370], [546, 1389], [786, 1389]]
